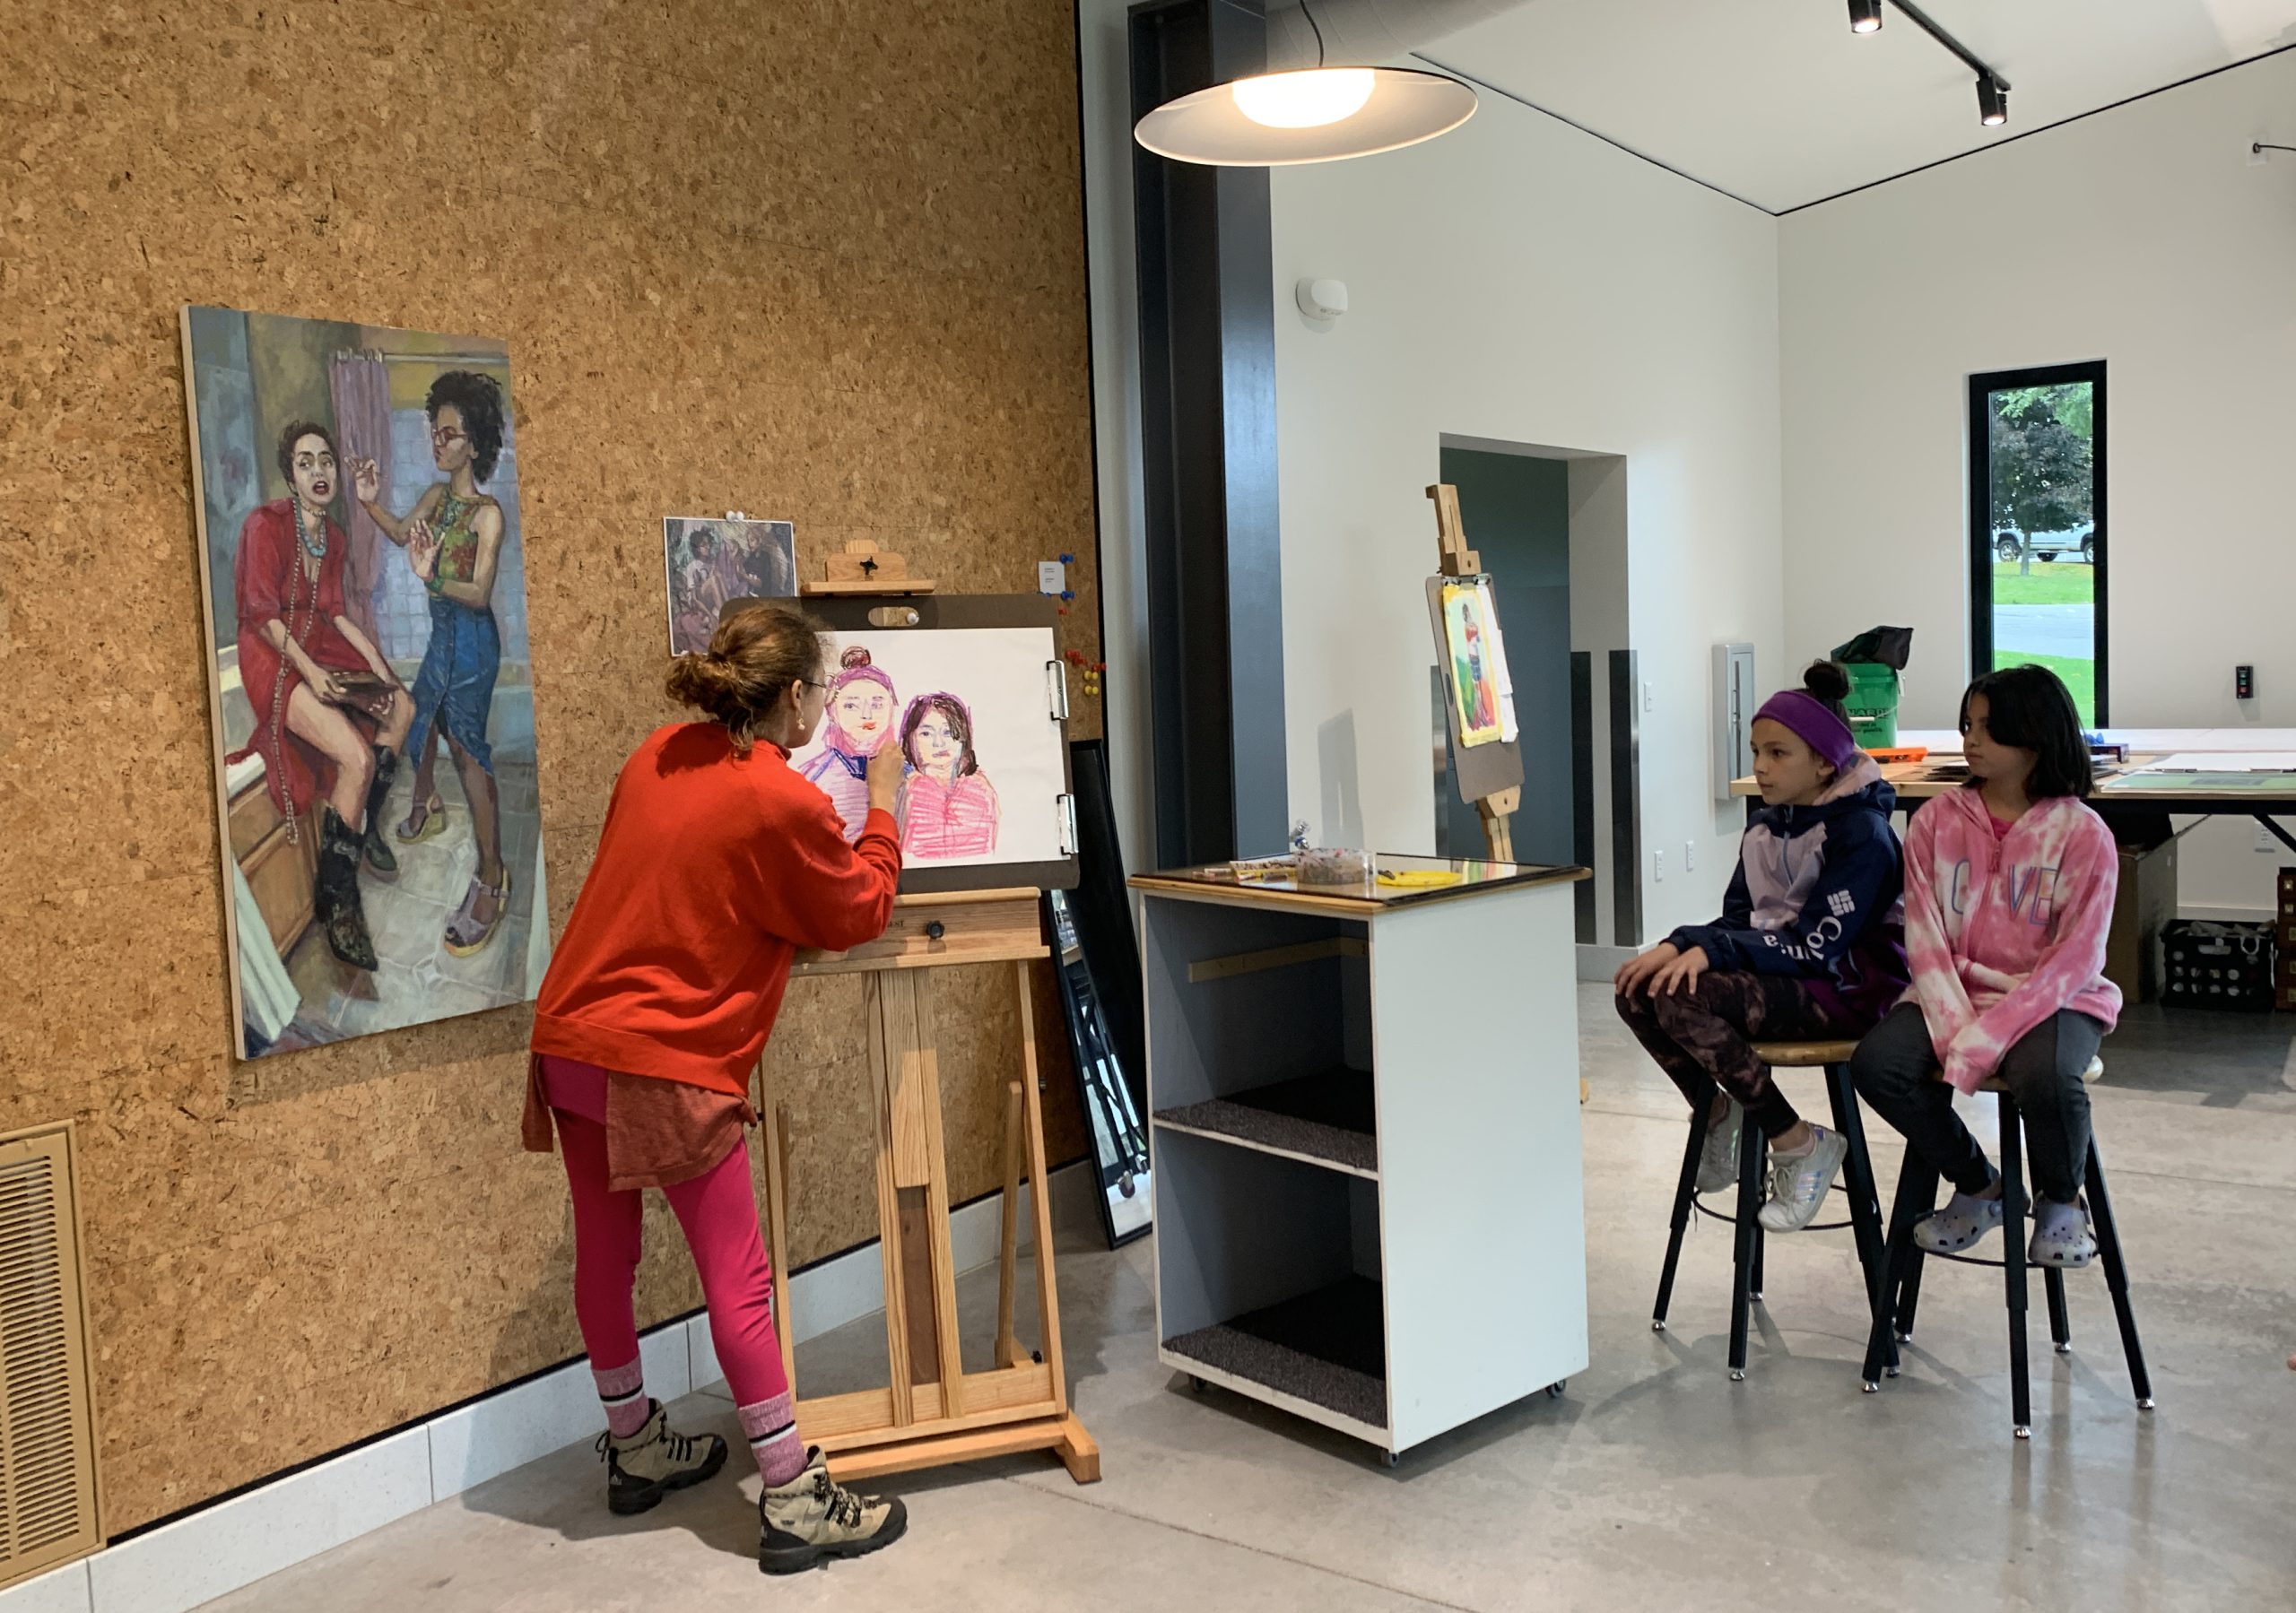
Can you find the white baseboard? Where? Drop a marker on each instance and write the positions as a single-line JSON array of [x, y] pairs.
[[219, 1548], [1601, 963]]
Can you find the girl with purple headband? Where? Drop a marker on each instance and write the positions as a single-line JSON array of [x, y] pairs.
[[858, 718], [1810, 946]]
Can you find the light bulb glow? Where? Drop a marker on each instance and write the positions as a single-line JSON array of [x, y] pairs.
[[1303, 101]]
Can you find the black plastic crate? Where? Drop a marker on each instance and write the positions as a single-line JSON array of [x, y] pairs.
[[2227, 966]]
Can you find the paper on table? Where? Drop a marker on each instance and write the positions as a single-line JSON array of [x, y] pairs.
[[2224, 761]]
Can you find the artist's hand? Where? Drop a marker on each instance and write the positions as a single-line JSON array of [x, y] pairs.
[[1680, 975], [366, 481], [884, 779], [1635, 974]]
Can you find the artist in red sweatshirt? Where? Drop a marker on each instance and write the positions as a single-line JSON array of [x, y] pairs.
[[717, 861]]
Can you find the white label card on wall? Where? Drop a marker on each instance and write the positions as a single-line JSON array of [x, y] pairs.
[[1052, 577]]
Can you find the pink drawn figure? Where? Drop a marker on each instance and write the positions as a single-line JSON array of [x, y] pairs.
[[857, 722], [951, 809]]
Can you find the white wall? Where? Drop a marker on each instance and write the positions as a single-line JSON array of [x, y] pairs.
[[1520, 280], [2141, 236]]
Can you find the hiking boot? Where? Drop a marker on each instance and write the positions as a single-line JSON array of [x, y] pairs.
[[655, 1461], [1799, 1183], [811, 1519], [1718, 1156]]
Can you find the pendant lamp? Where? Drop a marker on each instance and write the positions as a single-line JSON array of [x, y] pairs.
[[1313, 115]]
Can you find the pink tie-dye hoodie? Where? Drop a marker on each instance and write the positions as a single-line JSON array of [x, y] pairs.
[[2003, 932]]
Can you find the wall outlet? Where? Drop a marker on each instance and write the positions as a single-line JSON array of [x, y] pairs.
[[1658, 866], [1690, 857], [1052, 576], [2244, 682]]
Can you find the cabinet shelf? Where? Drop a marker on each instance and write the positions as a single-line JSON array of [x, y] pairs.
[[1328, 1119], [1325, 1348]]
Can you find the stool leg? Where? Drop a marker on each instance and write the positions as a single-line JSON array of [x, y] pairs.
[[2060, 1324], [1685, 1192], [1864, 1204], [1761, 1248], [2101, 1210], [2012, 1263], [1899, 1257], [1751, 1147]]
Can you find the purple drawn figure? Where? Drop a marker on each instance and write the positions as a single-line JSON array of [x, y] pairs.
[[858, 718]]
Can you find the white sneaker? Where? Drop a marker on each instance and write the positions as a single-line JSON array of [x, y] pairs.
[[1798, 1183], [1717, 1156]]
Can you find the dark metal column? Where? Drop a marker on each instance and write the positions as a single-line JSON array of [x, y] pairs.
[[1207, 385]]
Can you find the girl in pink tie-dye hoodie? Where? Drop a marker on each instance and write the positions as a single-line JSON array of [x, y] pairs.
[[2009, 886]]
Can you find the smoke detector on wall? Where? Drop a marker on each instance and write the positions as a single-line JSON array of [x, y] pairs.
[[1321, 298]]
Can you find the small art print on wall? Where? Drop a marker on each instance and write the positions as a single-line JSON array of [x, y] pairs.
[[983, 765], [364, 577], [708, 562]]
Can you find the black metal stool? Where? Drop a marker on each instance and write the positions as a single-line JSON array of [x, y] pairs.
[[1858, 1173], [1918, 1184]]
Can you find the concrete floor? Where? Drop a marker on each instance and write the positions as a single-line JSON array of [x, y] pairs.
[[1654, 1483]]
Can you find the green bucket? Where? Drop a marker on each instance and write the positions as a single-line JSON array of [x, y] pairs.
[[1873, 704]]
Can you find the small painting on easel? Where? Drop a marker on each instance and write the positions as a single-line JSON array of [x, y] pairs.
[[1479, 684]]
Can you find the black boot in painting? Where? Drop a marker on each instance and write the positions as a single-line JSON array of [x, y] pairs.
[[337, 906], [379, 855]]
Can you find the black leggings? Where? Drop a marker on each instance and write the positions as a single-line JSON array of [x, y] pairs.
[[1896, 1071], [1703, 1037]]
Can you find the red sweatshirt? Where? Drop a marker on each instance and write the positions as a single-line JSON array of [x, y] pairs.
[[712, 870]]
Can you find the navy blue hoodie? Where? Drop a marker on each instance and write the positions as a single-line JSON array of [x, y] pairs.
[[1819, 894]]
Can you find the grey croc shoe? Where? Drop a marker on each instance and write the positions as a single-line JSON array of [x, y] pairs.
[[1959, 1225], [2061, 1236]]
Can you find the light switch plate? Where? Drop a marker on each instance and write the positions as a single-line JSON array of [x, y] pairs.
[[1052, 577]]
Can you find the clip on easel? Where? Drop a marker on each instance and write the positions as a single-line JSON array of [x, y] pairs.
[[1491, 775], [932, 1412]]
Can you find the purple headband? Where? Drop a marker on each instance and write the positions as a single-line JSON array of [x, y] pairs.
[[1821, 730]]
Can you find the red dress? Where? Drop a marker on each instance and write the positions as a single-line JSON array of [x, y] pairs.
[[269, 585]]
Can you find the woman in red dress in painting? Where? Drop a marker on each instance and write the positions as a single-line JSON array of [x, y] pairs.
[[330, 716]]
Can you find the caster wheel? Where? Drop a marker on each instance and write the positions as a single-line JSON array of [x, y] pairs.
[[1554, 1389], [2023, 1432], [1657, 1327], [1196, 1384], [1872, 1388], [1389, 1459], [2145, 1404], [1737, 1375]]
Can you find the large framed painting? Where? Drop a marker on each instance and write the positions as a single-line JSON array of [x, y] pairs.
[[363, 574]]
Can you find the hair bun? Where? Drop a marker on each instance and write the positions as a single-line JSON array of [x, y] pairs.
[[1827, 679], [855, 657]]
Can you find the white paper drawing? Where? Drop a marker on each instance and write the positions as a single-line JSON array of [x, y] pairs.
[[971, 711]]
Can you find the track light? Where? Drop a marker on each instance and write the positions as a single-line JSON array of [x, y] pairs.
[[1992, 101], [1865, 16]]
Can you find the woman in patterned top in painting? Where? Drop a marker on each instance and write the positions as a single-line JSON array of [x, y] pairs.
[[453, 537]]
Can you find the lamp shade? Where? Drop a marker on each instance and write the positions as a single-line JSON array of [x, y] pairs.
[[1316, 115]]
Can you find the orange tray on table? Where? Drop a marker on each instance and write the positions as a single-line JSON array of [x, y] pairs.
[[1898, 753]]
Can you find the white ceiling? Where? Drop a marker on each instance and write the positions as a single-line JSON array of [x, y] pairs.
[[1778, 102]]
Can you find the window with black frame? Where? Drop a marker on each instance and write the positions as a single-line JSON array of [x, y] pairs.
[[2038, 553]]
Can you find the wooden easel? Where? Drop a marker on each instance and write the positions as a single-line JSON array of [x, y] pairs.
[[1497, 808], [1454, 558], [933, 1412]]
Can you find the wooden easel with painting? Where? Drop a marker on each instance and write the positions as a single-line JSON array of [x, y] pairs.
[[932, 1412], [1491, 775]]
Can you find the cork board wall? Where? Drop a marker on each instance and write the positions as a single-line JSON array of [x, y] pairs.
[[821, 262]]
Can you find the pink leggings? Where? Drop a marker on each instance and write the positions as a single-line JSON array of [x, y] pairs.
[[719, 1213]]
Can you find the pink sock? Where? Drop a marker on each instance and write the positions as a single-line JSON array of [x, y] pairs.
[[622, 1392], [772, 1427]]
